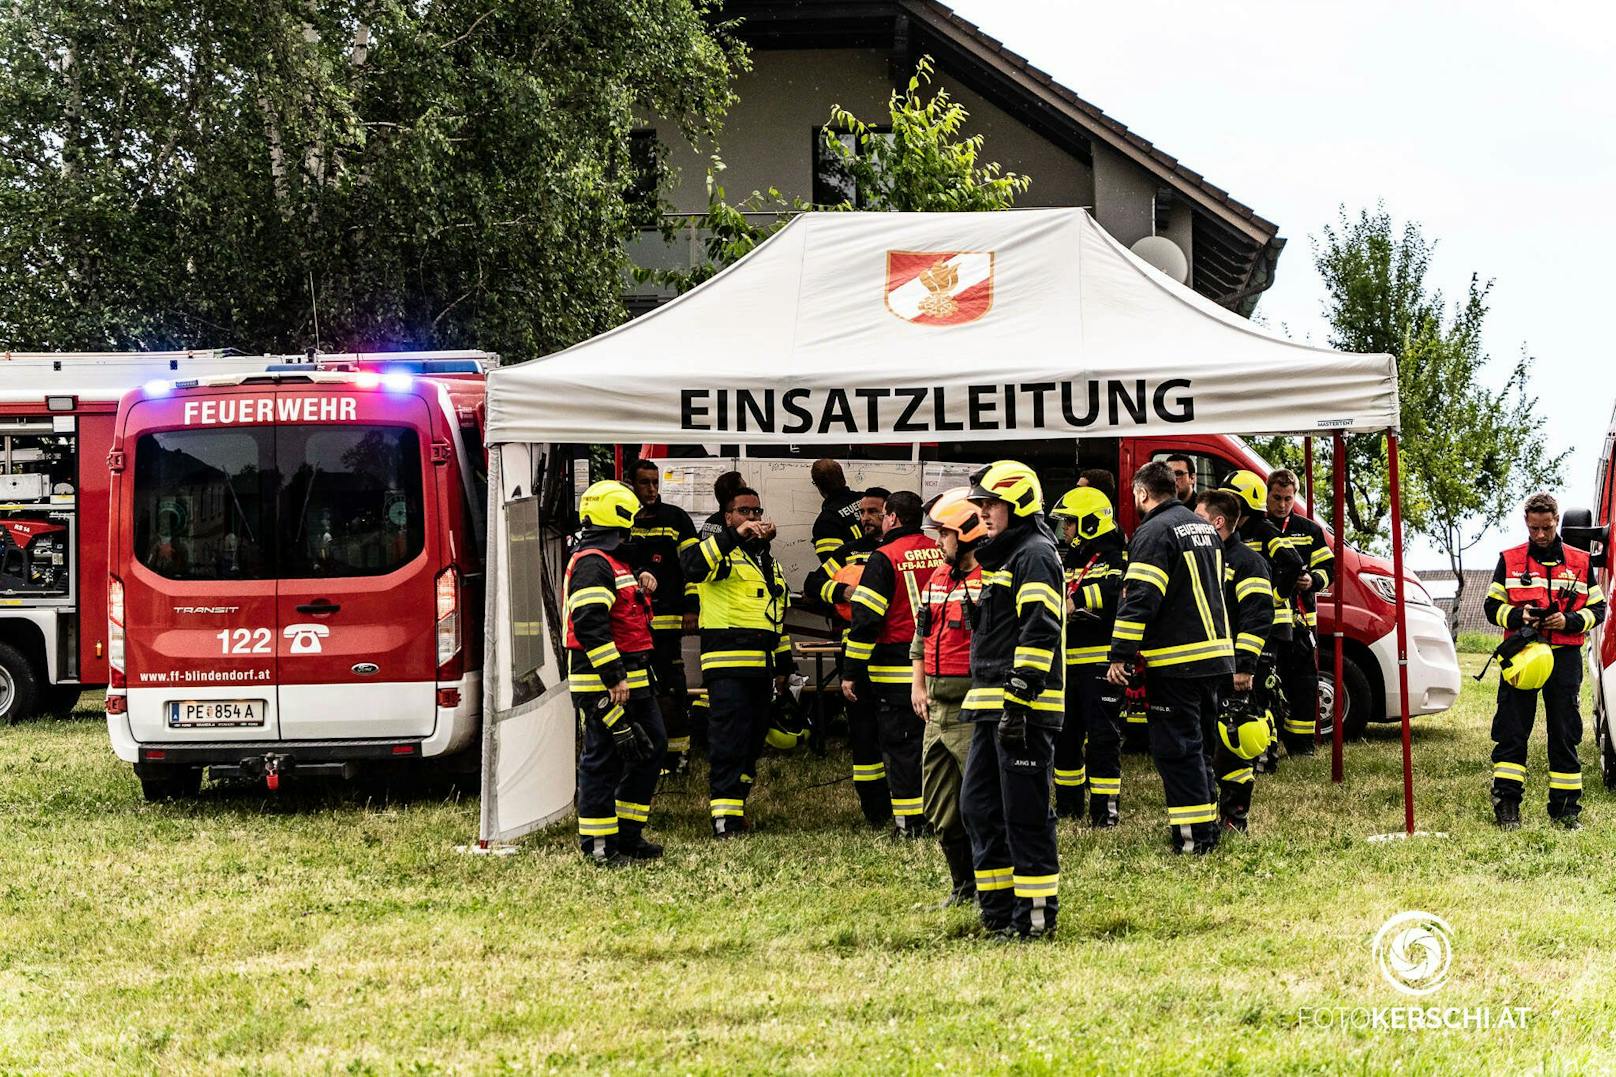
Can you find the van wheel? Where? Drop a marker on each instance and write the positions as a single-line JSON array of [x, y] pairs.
[[159, 782], [19, 685], [61, 700], [1359, 707]]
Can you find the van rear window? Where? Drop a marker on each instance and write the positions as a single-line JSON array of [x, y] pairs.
[[203, 503], [289, 502], [350, 501]]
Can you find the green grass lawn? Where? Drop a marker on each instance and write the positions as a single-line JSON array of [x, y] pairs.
[[327, 929]]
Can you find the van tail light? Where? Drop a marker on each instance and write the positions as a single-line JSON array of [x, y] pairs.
[[448, 590], [115, 633]]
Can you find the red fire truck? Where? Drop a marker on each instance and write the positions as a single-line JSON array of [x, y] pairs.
[[297, 568], [56, 417], [1589, 529]]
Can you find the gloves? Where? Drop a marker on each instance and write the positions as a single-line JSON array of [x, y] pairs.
[[631, 742], [1013, 728], [1020, 689]]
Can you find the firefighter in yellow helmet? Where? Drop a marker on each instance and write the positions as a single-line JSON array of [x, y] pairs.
[[1088, 751], [610, 652], [1248, 598], [1544, 595], [1017, 703], [1284, 568]]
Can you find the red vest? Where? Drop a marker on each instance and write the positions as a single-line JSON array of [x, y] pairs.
[[914, 558], [1564, 588], [948, 621], [630, 612]]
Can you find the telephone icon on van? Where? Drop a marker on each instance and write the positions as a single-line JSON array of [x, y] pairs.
[[305, 637]]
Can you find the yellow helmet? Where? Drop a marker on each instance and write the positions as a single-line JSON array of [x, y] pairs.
[[608, 503], [952, 510], [1010, 481], [787, 727], [1249, 487], [1528, 668], [1242, 729], [1090, 508]]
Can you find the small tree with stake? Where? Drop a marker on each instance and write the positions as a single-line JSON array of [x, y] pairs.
[[924, 163], [1469, 452]]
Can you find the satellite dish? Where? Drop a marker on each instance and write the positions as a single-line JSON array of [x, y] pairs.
[[1165, 255]]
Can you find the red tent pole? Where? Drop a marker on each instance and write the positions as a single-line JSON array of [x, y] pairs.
[[1339, 472], [1307, 467], [1307, 479], [617, 462], [1402, 629]]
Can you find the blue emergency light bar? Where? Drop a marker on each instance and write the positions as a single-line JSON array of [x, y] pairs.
[[401, 366]]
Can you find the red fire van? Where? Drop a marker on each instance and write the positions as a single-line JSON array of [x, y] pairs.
[[296, 570]]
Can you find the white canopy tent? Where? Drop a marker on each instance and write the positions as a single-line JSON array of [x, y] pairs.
[[860, 328]]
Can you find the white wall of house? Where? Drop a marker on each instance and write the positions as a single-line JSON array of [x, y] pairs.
[[788, 94], [768, 142]]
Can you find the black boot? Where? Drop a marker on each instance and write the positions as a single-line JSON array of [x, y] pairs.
[[912, 826], [730, 826], [635, 847], [1069, 801], [1268, 762], [1508, 814], [961, 872], [1104, 811]]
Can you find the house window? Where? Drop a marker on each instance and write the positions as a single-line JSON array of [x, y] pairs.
[[641, 190], [833, 184]]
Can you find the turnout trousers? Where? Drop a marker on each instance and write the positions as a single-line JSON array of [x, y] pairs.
[[668, 675], [901, 734], [1088, 748], [1004, 799], [864, 745], [737, 725], [1182, 713], [1236, 777], [614, 798], [1298, 664], [1512, 728]]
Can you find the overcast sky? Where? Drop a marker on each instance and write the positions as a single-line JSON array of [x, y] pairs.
[[1492, 124]]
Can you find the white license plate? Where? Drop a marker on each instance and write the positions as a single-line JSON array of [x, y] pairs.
[[215, 713]]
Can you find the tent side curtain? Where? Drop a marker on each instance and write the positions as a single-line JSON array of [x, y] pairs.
[[894, 327]]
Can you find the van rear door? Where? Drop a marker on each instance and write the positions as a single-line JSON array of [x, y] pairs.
[[198, 578], [356, 651]]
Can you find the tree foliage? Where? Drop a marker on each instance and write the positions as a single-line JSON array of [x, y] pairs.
[[368, 173], [1469, 451], [922, 162]]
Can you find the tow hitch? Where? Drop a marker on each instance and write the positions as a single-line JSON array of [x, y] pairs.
[[269, 766]]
